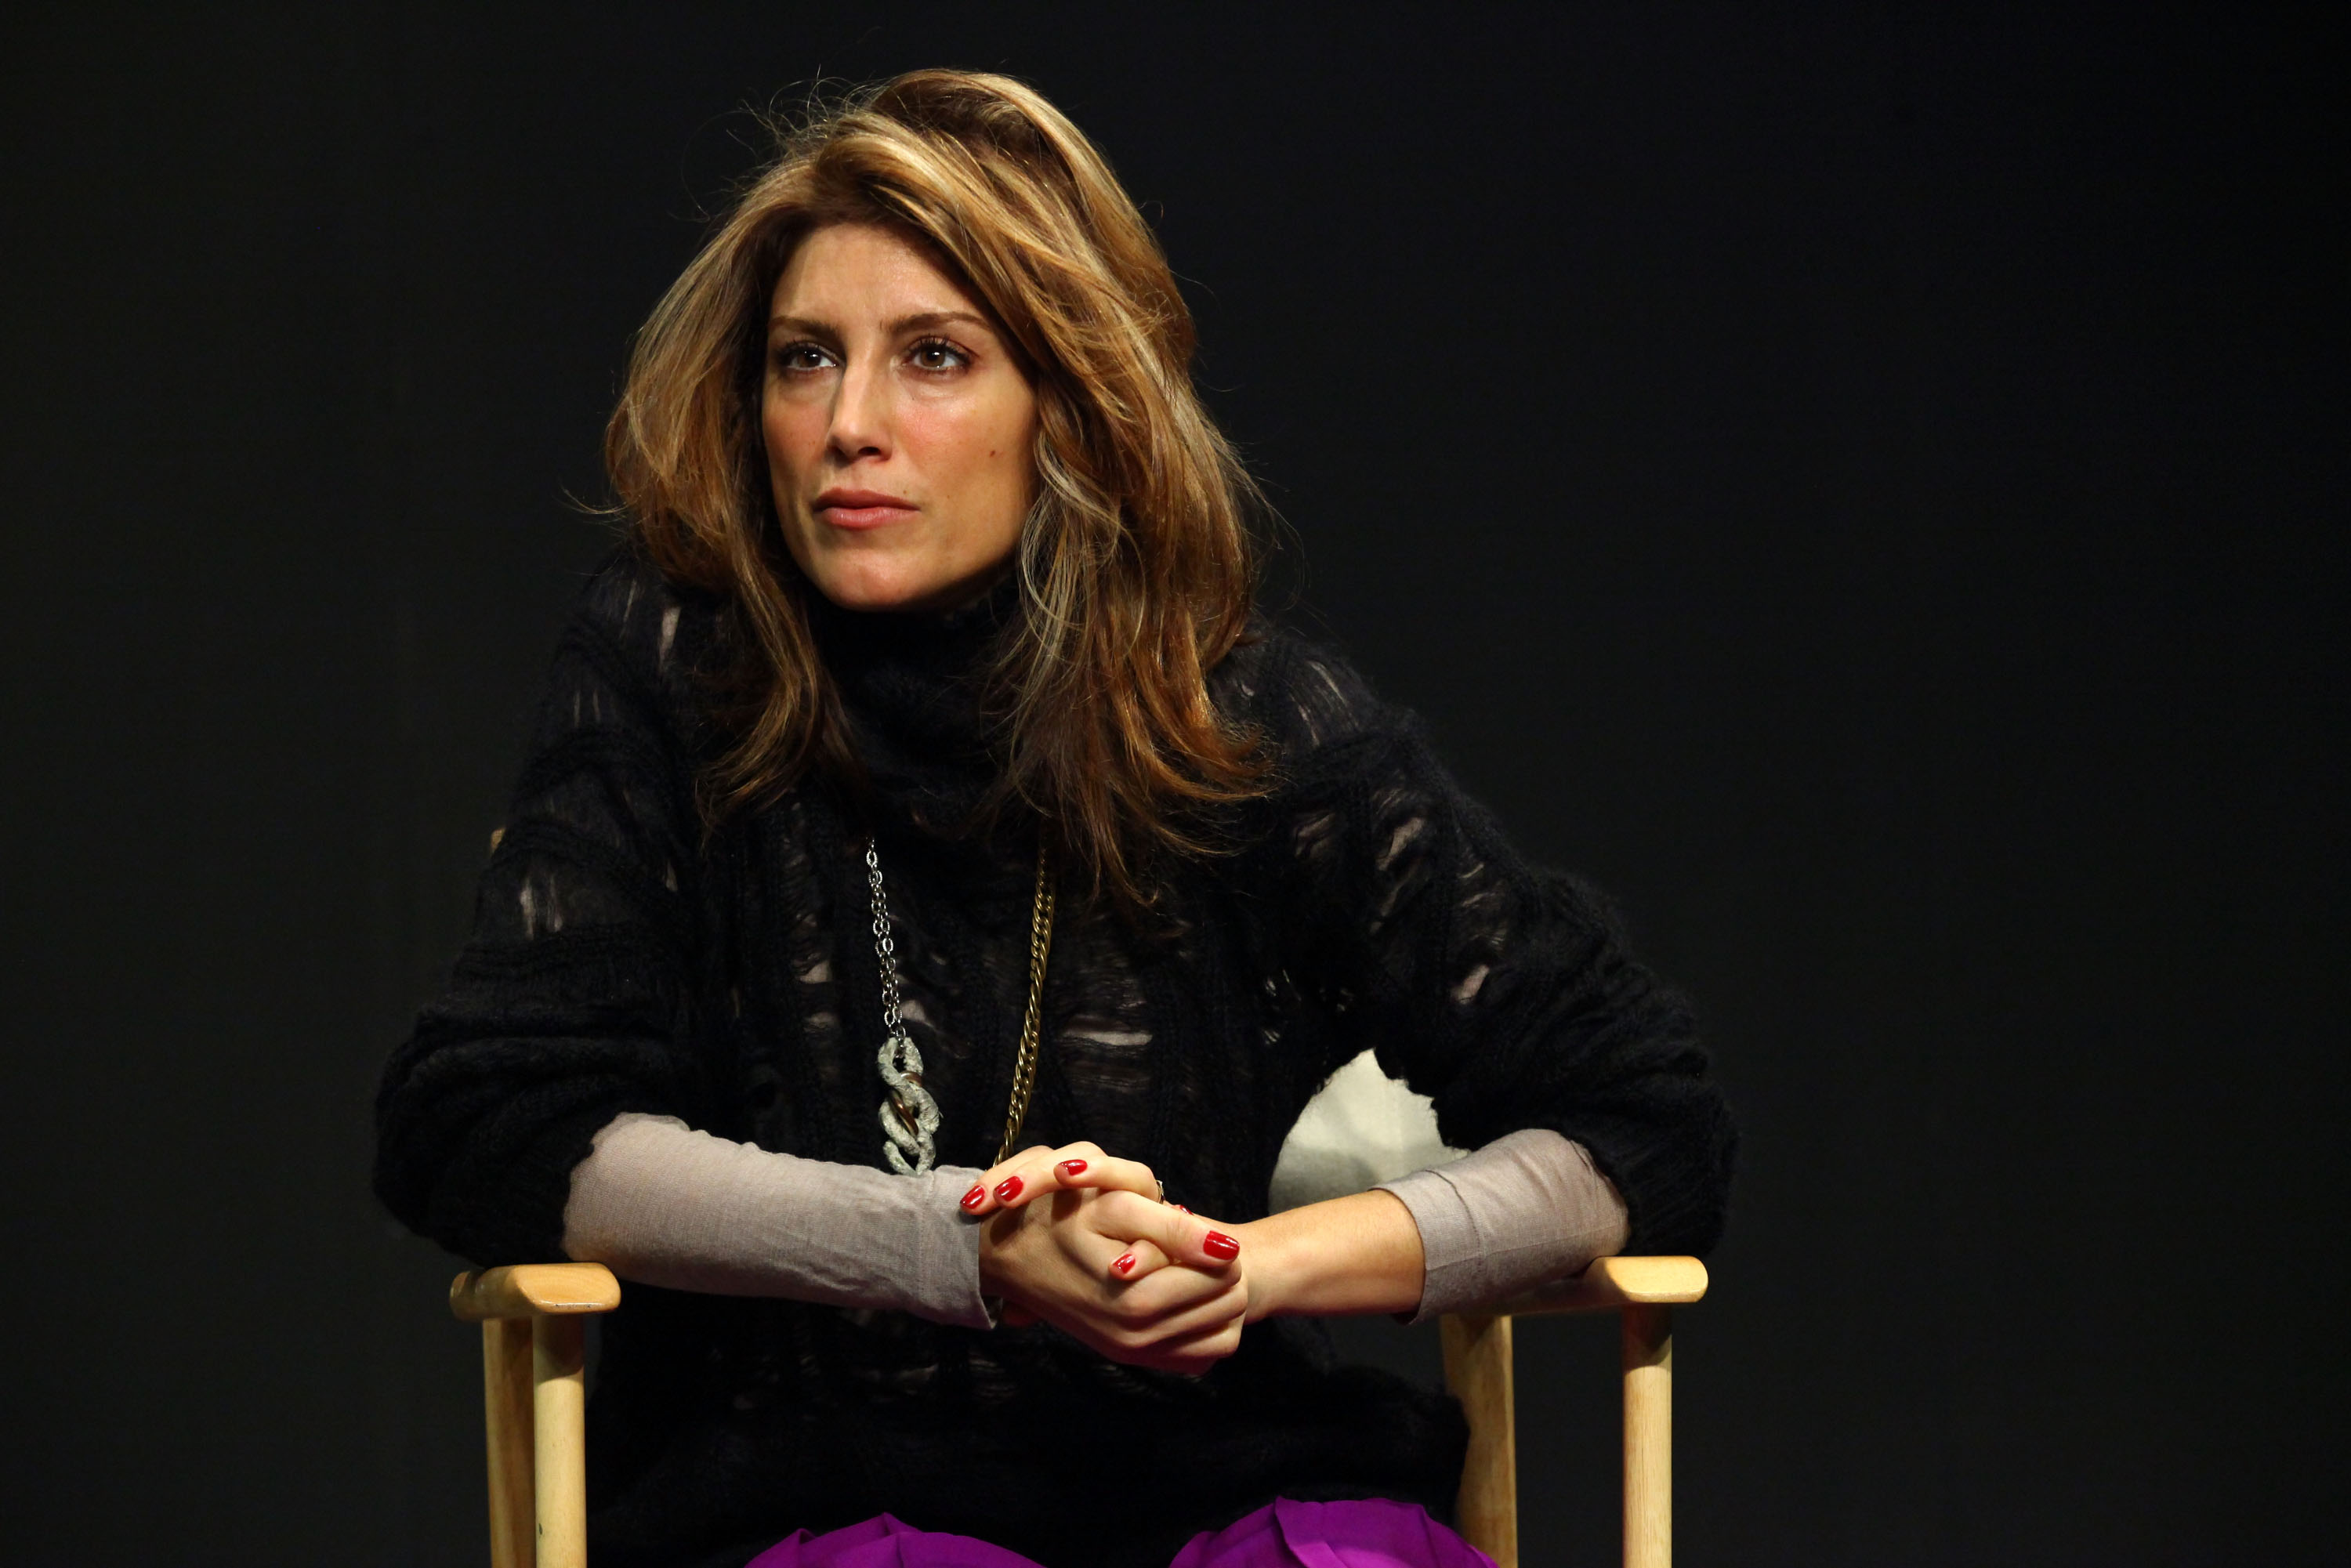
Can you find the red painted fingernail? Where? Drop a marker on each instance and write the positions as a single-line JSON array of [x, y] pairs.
[[1219, 1245], [1073, 1167], [976, 1196], [1007, 1189], [1123, 1264]]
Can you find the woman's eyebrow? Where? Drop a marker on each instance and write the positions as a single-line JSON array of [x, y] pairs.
[[925, 319], [921, 320]]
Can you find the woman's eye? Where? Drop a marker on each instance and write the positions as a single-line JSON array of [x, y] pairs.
[[937, 354], [802, 357]]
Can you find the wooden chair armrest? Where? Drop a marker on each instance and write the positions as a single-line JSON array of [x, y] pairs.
[[1611, 1283], [1477, 1370], [534, 1402], [534, 1289]]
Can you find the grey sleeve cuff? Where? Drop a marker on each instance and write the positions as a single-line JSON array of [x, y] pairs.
[[663, 1204], [1525, 1210]]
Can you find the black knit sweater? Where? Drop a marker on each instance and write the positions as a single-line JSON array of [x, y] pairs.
[[623, 959]]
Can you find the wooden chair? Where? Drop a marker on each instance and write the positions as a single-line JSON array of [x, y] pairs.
[[534, 1404], [1643, 1291], [535, 1400]]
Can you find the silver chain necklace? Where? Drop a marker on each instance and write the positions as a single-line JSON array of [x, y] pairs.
[[910, 1118]]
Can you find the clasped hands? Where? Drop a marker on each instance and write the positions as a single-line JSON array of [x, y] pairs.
[[1082, 1240]]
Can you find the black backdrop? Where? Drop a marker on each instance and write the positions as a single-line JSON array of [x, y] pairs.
[[1870, 492]]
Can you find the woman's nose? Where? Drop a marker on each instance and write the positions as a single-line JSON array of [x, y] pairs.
[[861, 415]]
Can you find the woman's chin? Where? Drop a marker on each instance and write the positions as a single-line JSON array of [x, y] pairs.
[[882, 593]]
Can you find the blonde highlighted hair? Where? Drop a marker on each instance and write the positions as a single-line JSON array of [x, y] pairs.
[[1136, 563]]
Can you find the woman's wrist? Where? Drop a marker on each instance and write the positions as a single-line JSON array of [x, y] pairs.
[[1347, 1256], [1265, 1264]]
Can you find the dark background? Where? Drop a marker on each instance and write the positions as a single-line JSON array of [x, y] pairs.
[[1868, 491]]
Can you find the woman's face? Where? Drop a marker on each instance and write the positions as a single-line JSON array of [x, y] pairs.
[[898, 426]]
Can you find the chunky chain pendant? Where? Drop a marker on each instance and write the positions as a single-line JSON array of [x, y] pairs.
[[910, 1118]]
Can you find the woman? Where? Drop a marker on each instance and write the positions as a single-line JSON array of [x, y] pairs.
[[925, 854]]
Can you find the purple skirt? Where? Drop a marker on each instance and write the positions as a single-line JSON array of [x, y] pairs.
[[1372, 1533]]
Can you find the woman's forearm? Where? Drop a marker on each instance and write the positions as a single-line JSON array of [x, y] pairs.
[[1348, 1254], [1524, 1211], [665, 1205]]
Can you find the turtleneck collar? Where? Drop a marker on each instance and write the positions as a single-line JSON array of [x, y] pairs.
[[912, 684]]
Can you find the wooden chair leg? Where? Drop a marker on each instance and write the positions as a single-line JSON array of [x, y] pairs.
[[1648, 1437], [532, 1364], [506, 1404], [1477, 1371], [559, 1412]]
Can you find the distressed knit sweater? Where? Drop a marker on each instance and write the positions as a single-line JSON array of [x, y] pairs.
[[626, 957]]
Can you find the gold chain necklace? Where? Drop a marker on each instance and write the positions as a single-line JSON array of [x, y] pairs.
[[910, 1118]]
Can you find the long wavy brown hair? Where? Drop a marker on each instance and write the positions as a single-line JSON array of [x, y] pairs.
[[1136, 562]]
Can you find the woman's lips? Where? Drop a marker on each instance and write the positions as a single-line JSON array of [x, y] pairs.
[[862, 509], [863, 517]]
